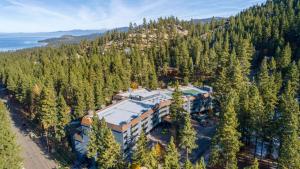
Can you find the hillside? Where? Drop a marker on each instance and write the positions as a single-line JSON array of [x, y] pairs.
[[73, 39], [68, 38], [251, 60]]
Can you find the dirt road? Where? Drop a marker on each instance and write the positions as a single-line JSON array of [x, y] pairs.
[[33, 154]]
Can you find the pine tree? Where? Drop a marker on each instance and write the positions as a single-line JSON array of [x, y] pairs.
[[187, 136], [238, 80], [256, 117], [95, 138], [286, 57], [153, 158], [140, 154], [268, 89], [89, 96], [293, 76], [226, 142], [188, 165], [200, 164], [289, 139], [47, 111], [63, 117], [153, 84], [245, 53], [176, 109], [222, 85], [78, 103], [9, 150], [103, 146], [171, 159], [243, 114], [109, 157]]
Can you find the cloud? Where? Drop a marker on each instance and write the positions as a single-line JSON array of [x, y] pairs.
[[51, 15], [29, 8]]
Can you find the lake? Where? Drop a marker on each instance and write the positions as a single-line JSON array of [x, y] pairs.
[[15, 41], [10, 42]]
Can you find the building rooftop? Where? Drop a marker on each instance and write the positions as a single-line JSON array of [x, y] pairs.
[[136, 102], [126, 110]]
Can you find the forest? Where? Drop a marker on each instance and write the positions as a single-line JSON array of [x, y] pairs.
[[9, 150], [252, 60]]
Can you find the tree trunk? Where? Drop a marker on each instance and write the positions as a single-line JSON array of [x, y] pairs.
[[255, 147], [261, 149], [46, 136], [47, 141], [187, 154]]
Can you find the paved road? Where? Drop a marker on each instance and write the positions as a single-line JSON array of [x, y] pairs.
[[34, 157]]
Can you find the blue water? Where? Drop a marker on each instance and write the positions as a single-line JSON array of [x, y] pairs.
[[12, 43]]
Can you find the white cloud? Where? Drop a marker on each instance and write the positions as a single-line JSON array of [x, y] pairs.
[[39, 15]]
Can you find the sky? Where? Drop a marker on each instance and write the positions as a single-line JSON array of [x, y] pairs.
[[54, 15]]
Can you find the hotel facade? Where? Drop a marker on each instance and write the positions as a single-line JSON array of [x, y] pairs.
[[143, 109]]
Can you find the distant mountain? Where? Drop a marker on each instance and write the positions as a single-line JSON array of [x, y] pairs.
[[206, 20], [74, 39], [75, 32]]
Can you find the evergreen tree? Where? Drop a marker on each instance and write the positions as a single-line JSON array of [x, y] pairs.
[[63, 117], [89, 96], [206, 54], [103, 146], [245, 52], [47, 111], [78, 103], [109, 157], [153, 84], [176, 108], [188, 165], [153, 158], [140, 154], [268, 89], [221, 85], [226, 142], [95, 138], [9, 150], [293, 76], [289, 138], [171, 159], [200, 164], [187, 136], [286, 57], [257, 117]]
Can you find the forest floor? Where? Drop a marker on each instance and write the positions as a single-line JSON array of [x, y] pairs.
[[163, 132], [245, 158], [33, 151]]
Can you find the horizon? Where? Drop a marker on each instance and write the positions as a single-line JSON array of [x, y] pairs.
[[33, 16]]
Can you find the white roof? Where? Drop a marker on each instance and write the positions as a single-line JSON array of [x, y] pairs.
[[123, 111], [144, 93], [126, 110], [133, 91]]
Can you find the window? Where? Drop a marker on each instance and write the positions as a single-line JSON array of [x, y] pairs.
[[145, 119], [134, 131]]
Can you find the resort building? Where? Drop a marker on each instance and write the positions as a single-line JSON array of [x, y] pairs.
[[136, 110], [143, 109]]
